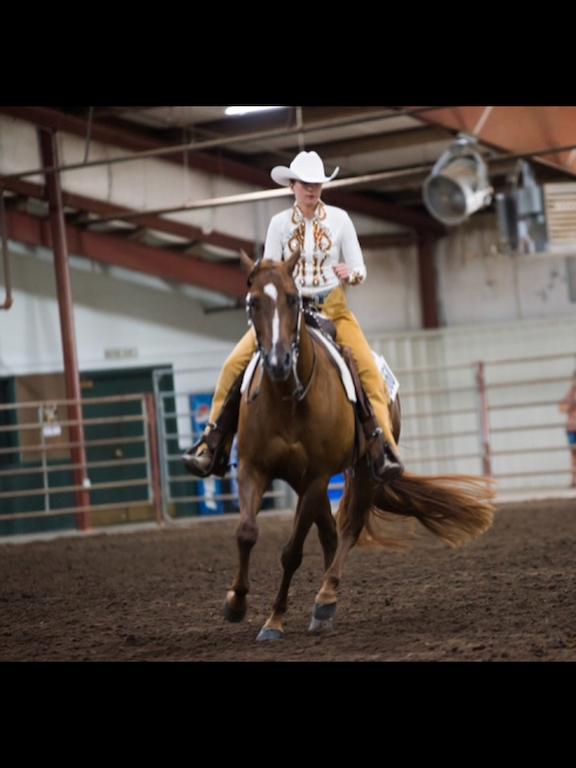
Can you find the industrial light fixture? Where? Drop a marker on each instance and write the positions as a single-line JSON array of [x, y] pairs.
[[458, 185], [247, 110]]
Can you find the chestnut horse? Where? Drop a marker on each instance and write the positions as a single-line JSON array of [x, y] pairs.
[[297, 424]]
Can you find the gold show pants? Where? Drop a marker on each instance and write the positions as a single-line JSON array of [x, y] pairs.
[[348, 334]]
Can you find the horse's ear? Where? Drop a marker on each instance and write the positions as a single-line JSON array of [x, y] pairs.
[[246, 262], [292, 261]]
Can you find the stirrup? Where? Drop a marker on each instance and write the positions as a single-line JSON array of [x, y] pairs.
[[218, 464]]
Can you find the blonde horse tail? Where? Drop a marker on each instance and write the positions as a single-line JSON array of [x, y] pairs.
[[454, 508]]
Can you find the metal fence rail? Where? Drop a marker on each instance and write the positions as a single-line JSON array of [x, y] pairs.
[[180, 425], [38, 492], [499, 419]]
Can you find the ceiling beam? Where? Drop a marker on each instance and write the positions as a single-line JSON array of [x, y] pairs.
[[137, 142], [159, 262], [102, 209], [134, 141], [28, 228]]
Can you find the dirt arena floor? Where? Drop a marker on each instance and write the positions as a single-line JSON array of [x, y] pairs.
[[156, 596]]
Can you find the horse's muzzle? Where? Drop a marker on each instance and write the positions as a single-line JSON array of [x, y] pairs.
[[278, 367]]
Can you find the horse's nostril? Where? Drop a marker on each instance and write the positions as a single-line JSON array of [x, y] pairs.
[[278, 369]]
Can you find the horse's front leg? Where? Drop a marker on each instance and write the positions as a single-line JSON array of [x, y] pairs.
[[311, 505], [250, 492]]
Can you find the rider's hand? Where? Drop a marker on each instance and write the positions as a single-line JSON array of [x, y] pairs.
[[342, 272]]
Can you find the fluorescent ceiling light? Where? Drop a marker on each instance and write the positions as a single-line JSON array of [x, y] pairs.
[[247, 110]]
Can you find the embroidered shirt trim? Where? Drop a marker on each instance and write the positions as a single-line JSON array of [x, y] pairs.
[[322, 244]]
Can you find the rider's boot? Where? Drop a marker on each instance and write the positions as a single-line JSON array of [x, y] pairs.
[[385, 463], [211, 454]]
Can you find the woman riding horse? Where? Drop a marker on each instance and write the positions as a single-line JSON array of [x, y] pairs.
[[296, 402], [322, 234]]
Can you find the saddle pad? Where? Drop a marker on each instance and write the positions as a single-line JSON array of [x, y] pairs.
[[345, 374], [387, 373]]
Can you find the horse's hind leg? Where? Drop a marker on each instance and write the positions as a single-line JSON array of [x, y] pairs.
[[354, 507], [307, 513], [327, 534], [322, 619]]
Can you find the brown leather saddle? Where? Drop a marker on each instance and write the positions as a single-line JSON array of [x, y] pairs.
[[320, 322]]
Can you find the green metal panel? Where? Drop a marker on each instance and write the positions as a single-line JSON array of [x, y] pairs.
[[119, 441]]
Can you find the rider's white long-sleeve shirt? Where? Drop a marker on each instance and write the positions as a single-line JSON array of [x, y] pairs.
[[324, 242]]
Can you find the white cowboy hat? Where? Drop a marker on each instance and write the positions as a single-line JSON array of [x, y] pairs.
[[307, 167]]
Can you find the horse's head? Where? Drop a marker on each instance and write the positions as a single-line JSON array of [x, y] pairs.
[[273, 305]]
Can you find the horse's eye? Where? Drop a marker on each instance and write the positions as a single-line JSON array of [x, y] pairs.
[[292, 300], [253, 303]]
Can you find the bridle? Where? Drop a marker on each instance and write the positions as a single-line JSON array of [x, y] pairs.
[[300, 392]]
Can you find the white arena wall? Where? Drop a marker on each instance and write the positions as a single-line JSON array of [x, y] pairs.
[[491, 306]]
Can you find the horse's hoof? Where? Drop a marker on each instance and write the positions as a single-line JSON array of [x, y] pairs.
[[270, 635], [322, 620], [234, 617]]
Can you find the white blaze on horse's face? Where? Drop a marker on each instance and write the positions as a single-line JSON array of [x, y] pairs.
[[271, 324], [272, 292]]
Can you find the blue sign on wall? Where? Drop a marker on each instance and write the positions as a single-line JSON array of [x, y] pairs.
[[211, 487]]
